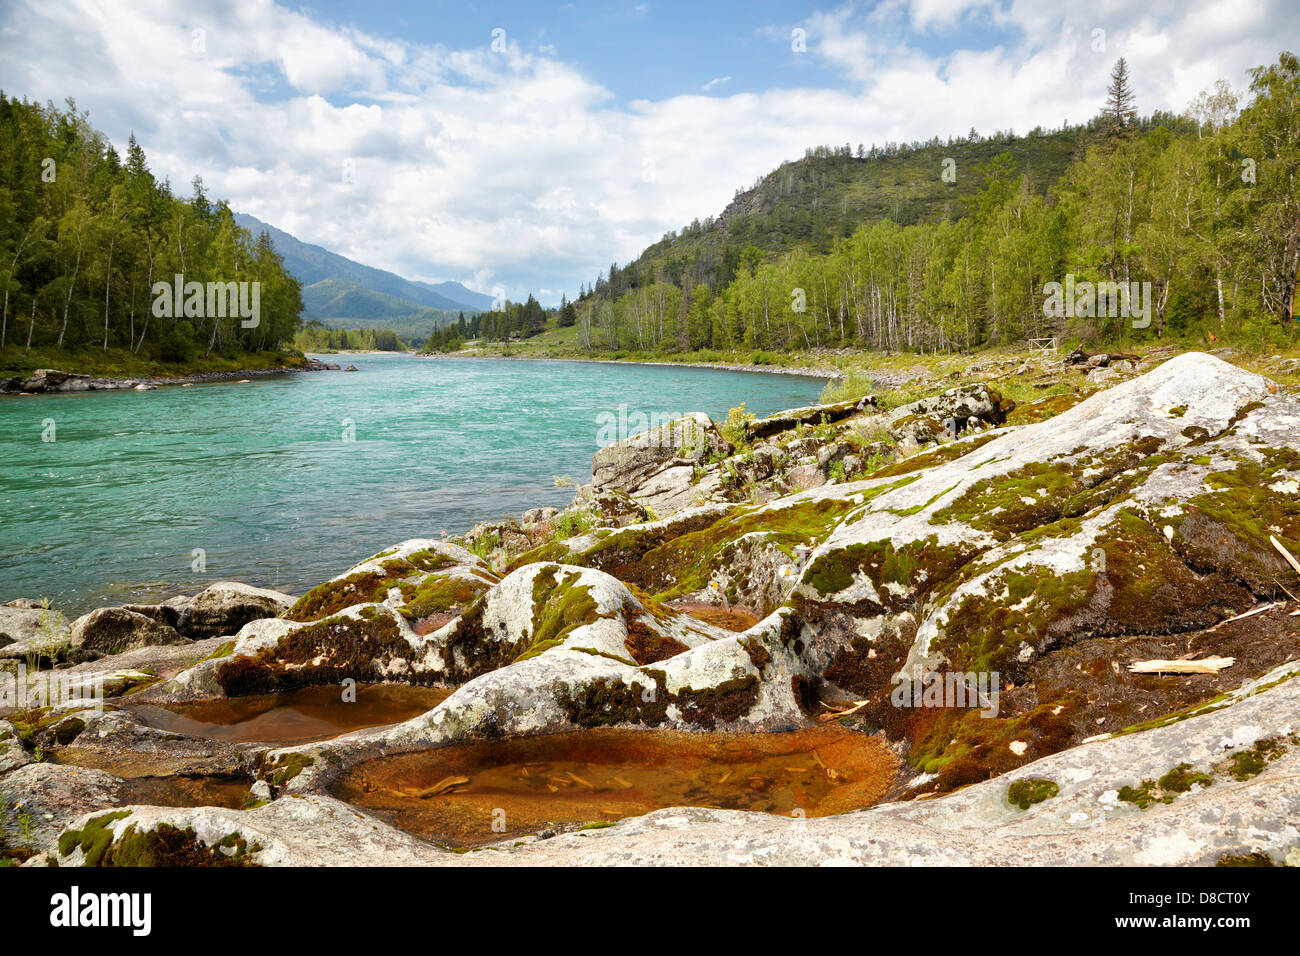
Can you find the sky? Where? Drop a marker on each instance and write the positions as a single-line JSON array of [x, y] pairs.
[[522, 147]]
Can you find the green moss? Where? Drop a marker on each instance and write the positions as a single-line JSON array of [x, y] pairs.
[[1180, 779], [1242, 504], [1246, 764], [1143, 795], [917, 565], [1025, 793], [430, 560], [326, 599], [552, 551], [963, 747], [441, 594], [598, 825], [560, 606], [613, 657], [1257, 858], [1043, 492], [94, 838], [287, 767], [167, 845], [950, 451], [326, 652], [225, 650]]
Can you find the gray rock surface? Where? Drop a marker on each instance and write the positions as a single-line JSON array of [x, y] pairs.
[[226, 606]]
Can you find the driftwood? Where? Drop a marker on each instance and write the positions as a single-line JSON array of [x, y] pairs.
[[1259, 610], [1206, 665], [837, 714], [1290, 558]]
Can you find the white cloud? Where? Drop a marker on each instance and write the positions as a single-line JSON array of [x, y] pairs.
[[517, 168]]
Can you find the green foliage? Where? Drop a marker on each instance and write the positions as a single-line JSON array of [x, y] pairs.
[[85, 236], [315, 337], [876, 249], [736, 428]]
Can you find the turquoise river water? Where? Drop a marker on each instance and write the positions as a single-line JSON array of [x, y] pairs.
[[286, 481]]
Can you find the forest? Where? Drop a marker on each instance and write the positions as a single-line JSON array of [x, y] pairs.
[[1204, 207], [86, 236], [315, 336]]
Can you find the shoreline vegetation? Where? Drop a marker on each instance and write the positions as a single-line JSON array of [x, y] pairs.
[[114, 369]]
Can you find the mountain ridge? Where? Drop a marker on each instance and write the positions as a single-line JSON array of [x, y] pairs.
[[314, 264]]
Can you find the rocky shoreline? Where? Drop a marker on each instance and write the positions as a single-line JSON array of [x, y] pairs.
[[751, 577], [47, 380]]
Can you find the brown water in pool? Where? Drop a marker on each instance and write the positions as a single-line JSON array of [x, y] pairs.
[[454, 794], [181, 791], [297, 717]]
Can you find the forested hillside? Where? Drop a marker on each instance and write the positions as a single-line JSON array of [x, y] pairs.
[[85, 234], [341, 304], [893, 249]]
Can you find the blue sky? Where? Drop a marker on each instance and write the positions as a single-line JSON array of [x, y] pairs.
[[635, 50], [400, 135]]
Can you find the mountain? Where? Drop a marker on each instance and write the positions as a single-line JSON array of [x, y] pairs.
[[810, 202], [313, 264]]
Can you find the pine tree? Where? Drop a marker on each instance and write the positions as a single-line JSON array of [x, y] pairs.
[[1119, 116]]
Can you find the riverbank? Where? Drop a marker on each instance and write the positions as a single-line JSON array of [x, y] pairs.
[[45, 370], [802, 371]]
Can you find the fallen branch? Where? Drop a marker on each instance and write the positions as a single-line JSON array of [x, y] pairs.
[[837, 714], [1206, 665], [1251, 613], [1291, 559]]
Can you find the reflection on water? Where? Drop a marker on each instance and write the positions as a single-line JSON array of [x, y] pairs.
[[297, 717]]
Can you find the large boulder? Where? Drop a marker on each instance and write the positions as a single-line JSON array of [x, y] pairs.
[[53, 380], [629, 464], [114, 630], [225, 607], [36, 634], [30, 622]]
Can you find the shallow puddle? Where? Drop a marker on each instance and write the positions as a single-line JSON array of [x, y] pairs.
[[181, 791], [297, 717], [456, 794]]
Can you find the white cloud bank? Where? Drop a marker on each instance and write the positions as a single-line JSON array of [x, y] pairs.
[[514, 168]]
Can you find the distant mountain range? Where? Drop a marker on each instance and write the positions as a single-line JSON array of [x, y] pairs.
[[341, 293]]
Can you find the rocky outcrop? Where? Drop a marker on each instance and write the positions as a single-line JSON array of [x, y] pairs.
[[32, 633], [25, 622], [656, 462], [809, 415], [115, 630], [1029, 563], [225, 607], [950, 413], [1084, 807]]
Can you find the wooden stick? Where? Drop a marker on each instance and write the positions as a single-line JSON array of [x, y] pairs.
[[1291, 559], [1251, 613], [1207, 665]]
